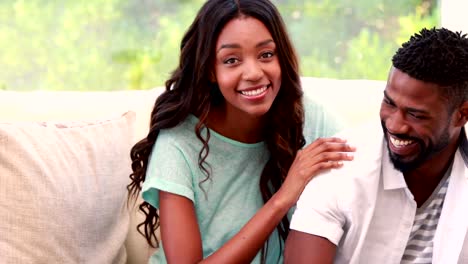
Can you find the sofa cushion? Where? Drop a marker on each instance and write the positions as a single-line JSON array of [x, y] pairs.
[[62, 190]]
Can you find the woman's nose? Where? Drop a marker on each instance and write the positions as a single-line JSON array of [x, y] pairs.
[[252, 71]]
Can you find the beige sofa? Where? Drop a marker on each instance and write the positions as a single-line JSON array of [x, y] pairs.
[[64, 165]]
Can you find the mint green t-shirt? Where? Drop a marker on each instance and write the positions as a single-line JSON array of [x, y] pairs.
[[319, 121], [225, 202], [230, 198]]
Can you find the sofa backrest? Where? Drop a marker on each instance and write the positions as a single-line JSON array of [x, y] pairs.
[[354, 101]]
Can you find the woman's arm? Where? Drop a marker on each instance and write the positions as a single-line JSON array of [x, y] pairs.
[[181, 236], [179, 228]]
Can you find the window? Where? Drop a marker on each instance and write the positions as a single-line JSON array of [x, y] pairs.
[[119, 44]]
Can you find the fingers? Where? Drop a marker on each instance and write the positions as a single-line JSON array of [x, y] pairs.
[[325, 149], [310, 166], [328, 144], [322, 154], [328, 157]]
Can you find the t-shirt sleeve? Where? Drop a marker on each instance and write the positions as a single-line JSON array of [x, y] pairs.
[[318, 211], [168, 170]]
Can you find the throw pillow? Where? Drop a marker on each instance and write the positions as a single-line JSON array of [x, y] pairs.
[[63, 191]]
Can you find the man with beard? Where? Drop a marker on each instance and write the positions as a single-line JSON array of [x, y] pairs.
[[404, 197]]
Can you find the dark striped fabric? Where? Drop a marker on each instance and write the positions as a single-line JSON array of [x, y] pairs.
[[420, 243]]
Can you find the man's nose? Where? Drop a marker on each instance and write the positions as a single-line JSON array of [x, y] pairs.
[[396, 123]]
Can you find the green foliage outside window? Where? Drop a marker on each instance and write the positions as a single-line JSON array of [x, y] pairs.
[[121, 44]]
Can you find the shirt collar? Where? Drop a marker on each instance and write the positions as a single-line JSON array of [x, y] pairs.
[[392, 178]]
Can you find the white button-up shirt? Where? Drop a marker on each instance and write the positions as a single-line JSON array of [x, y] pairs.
[[367, 210]]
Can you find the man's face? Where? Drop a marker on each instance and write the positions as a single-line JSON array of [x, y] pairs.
[[415, 120]]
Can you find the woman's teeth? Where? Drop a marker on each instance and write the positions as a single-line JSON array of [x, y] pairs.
[[254, 92]]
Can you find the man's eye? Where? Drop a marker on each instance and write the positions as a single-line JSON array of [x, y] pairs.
[[416, 116], [387, 102]]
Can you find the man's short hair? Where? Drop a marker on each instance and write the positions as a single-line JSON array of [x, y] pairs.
[[437, 56]]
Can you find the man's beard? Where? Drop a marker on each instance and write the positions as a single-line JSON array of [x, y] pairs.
[[425, 151]]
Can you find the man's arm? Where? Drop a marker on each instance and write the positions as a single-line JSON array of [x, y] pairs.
[[307, 248]]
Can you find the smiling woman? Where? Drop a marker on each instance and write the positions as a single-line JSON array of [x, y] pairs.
[[248, 73], [224, 159], [118, 44]]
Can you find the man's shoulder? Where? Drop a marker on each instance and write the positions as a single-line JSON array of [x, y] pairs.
[[366, 165], [362, 172], [369, 141]]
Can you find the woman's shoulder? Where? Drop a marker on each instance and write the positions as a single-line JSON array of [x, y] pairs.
[[319, 121], [179, 139], [185, 130]]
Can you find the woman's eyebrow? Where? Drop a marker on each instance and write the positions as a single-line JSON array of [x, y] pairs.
[[237, 46]]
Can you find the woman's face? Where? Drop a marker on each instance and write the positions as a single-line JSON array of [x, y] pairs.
[[247, 69]]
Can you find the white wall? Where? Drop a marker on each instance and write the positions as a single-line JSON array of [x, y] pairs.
[[454, 15]]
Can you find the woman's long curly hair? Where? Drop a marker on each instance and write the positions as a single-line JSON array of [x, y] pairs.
[[189, 91]]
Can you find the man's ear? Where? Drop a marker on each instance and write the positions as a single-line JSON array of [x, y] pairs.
[[462, 114]]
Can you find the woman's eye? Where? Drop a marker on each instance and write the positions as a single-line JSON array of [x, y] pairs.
[[266, 55], [230, 61]]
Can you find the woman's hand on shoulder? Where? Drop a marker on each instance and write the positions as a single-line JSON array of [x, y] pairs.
[[321, 155]]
